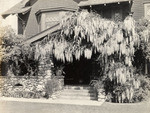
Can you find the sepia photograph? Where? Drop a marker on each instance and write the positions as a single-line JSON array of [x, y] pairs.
[[74, 56]]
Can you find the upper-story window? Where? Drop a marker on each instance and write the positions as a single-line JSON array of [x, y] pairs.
[[49, 19], [22, 22]]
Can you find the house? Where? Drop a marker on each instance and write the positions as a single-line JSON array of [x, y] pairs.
[[38, 18], [35, 16]]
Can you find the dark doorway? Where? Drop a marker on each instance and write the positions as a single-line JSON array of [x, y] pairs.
[[78, 72]]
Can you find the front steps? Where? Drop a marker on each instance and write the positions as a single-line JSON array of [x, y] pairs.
[[78, 93]]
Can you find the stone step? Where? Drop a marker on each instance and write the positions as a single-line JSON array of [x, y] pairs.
[[73, 97], [78, 93], [78, 87]]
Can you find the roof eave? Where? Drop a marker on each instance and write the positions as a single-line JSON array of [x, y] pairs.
[[23, 11], [55, 9], [83, 4], [13, 10]]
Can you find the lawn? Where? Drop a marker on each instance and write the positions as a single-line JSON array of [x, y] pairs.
[[24, 107]]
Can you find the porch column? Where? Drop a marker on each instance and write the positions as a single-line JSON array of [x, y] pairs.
[[45, 68]]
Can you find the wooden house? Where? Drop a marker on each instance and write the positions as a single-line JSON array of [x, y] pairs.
[[35, 16]]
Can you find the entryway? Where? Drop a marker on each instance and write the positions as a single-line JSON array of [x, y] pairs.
[[78, 72], [77, 77]]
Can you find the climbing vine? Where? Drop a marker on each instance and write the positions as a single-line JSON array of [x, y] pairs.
[[84, 34]]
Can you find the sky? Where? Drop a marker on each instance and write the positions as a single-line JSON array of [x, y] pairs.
[[6, 4]]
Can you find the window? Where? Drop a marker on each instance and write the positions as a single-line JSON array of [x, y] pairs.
[[22, 22], [147, 10], [51, 20]]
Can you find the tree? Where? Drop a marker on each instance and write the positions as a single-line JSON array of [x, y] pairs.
[[17, 58]]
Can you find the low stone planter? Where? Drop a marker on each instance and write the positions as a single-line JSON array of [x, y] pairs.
[[53, 97], [61, 81], [101, 95], [56, 95]]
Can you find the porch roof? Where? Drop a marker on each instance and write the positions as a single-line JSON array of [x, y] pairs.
[[42, 34], [99, 2]]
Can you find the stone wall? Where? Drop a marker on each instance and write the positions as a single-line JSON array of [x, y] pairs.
[[12, 85], [8, 85], [45, 67]]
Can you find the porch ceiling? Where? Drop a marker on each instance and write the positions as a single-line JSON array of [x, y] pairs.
[[99, 2]]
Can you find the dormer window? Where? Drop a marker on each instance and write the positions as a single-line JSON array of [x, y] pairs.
[[51, 20], [49, 17]]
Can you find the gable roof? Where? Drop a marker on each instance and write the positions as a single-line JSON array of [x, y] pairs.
[[18, 8], [69, 4], [42, 5], [98, 2]]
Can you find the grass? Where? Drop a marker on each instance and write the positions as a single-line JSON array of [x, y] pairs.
[[22, 107]]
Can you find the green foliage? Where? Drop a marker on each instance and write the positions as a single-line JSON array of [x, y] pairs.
[[24, 94], [97, 84], [143, 93], [20, 59], [143, 30], [84, 34]]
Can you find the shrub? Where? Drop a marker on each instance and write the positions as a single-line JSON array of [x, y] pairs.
[[142, 93], [23, 94]]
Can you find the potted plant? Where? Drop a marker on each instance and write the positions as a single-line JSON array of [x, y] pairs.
[[59, 71], [99, 88]]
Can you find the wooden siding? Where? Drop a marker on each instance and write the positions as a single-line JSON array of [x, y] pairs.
[[138, 9], [32, 26], [111, 11]]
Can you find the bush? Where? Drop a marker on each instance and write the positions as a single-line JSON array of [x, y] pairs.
[[142, 93], [127, 93], [24, 94], [51, 87]]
